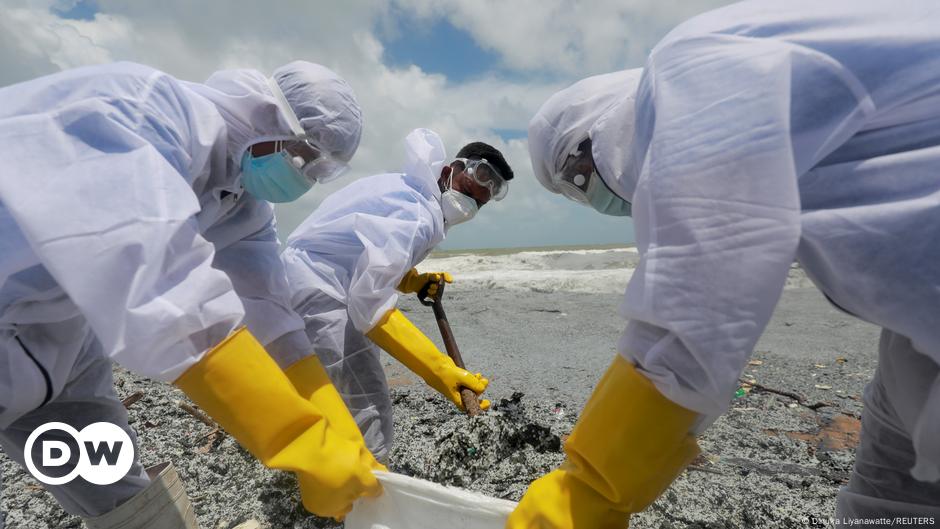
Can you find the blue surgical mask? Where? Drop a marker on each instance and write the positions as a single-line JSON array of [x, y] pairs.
[[601, 198], [273, 177]]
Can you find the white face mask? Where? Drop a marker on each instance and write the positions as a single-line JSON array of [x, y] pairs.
[[457, 207]]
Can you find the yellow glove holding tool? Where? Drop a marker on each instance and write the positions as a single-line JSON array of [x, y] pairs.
[[242, 388], [413, 282], [629, 444], [401, 339]]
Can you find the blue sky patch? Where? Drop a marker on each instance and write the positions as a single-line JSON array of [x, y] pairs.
[[76, 10], [436, 46], [512, 134]]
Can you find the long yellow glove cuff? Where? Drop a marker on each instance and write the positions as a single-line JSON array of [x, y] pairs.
[[244, 390], [412, 282], [313, 383], [629, 444], [401, 339]]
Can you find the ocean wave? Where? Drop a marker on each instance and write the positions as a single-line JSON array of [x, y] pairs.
[[588, 271]]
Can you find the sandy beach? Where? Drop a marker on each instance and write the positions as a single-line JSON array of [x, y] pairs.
[[542, 325]]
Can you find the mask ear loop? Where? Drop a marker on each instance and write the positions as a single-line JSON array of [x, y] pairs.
[[450, 177], [292, 121]]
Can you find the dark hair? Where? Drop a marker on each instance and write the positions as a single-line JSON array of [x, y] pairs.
[[478, 149]]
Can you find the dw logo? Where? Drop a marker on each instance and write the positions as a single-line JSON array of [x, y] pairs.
[[101, 452]]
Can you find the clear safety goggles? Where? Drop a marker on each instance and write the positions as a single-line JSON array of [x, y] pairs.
[[484, 174], [575, 176], [314, 162]]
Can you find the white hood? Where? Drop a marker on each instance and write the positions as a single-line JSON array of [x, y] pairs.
[[424, 159], [599, 107], [320, 101]]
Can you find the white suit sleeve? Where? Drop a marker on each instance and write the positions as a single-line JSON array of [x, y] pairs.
[[390, 247], [253, 264], [113, 223], [716, 208]]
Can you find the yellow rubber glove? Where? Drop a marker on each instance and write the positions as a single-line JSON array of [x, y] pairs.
[[244, 390], [629, 444], [401, 339], [413, 282], [313, 383]]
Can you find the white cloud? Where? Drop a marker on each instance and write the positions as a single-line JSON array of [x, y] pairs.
[[538, 40], [36, 42], [575, 37]]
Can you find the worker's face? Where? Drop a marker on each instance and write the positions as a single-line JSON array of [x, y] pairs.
[[464, 183]]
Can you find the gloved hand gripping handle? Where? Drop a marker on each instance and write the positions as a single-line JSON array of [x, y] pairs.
[[470, 401]]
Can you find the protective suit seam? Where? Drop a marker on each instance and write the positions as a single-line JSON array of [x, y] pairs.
[[45, 374], [117, 226], [840, 70], [679, 198]]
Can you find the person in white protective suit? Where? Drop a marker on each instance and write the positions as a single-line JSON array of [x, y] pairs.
[[136, 227], [347, 262], [757, 134]]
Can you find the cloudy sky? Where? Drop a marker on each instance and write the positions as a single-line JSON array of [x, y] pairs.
[[469, 70]]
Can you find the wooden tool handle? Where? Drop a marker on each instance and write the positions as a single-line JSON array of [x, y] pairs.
[[470, 401]]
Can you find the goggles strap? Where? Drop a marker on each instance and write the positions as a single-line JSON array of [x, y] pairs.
[[285, 108]]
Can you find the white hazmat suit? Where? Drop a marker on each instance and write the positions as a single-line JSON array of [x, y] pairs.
[[344, 263], [761, 133], [126, 234]]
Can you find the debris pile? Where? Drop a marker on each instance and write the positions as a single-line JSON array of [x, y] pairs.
[[497, 453]]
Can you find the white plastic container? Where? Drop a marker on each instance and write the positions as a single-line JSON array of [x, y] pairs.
[[411, 503]]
